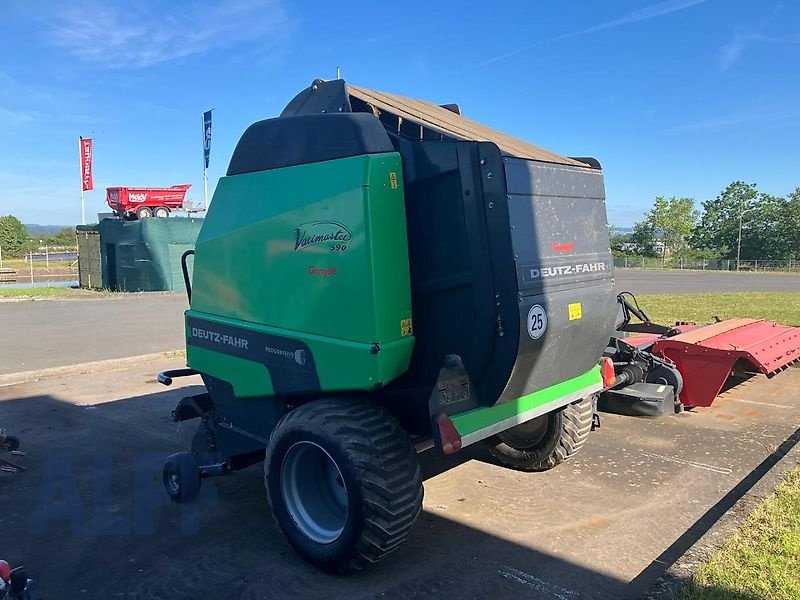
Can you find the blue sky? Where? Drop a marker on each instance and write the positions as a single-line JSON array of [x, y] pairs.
[[677, 97]]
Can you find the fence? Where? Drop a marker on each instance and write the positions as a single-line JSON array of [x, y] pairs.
[[43, 268], [697, 264]]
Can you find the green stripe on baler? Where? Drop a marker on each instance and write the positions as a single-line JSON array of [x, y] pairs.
[[472, 421]]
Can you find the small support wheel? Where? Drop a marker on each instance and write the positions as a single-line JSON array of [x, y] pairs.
[[182, 477], [11, 443], [144, 212], [161, 212]]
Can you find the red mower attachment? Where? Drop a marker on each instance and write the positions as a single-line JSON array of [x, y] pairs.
[[693, 361], [707, 355]]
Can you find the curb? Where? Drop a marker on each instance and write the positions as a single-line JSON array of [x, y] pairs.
[[751, 490], [112, 364]]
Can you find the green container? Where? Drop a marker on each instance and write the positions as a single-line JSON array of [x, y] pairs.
[[145, 255]]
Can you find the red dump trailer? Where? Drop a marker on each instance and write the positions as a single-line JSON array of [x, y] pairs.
[[140, 202]]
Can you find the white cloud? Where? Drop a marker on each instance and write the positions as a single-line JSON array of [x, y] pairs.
[[723, 122], [149, 32], [734, 48], [653, 11]]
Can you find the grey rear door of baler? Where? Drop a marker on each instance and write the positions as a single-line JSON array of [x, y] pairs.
[[559, 233]]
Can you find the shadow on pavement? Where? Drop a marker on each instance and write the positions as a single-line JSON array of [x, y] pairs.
[[92, 497]]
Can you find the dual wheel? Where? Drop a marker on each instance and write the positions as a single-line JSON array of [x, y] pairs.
[[145, 212]]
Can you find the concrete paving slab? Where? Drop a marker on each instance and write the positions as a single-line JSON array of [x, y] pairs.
[[606, 525]]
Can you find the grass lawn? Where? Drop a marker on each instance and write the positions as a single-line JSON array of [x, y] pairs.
[[22, 266], [782, 307], [48, 292], [762, 560]]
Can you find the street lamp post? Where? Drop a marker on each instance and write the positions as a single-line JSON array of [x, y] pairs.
[[742, 211]]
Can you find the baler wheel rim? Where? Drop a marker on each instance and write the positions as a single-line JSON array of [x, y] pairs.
[[380, 474], [314, 491], [526, 435]]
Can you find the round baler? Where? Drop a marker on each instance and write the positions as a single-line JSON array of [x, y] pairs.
[[377, 276]]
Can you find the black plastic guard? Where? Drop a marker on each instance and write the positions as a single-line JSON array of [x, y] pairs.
[[639, 400]]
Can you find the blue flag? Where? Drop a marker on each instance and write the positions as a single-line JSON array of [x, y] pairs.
[[207, 135]]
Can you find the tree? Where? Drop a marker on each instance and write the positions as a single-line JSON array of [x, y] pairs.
[[65, 237], [643, 239], [790, 225], [718, 228], [666, 227], [763, 233], [769, 224], [13, 235]]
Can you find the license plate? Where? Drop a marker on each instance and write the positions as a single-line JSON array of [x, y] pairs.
[[454, 390]]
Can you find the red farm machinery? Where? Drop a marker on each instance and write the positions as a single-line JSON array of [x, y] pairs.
[[139, 202], [662, 369]]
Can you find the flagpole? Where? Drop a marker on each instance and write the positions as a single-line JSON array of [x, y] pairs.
[[205, 169], [80, 168]]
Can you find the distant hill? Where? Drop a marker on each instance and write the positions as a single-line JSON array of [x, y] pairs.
[[34, 230]]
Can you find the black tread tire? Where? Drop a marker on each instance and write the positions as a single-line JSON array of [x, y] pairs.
[[11, 443], [567, 431], [159, 209], [184, 465], [144, 212], [380, 469]]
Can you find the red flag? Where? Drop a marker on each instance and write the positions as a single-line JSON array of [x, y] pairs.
[[86, 164]]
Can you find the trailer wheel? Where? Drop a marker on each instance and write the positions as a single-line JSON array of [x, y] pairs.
[[182, 477], [343, 482], [546, 441], [144, 212], [161, 212]]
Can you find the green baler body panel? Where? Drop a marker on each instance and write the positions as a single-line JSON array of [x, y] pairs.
[[315, 253]]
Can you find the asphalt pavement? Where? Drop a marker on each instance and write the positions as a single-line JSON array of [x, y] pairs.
[[54, 333], [605, 525], [641, 281], [51, 333]]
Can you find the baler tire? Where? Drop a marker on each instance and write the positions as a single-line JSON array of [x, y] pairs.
[[567, 431], [182, 477], [376, 468]]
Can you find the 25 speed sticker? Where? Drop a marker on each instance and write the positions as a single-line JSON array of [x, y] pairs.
[[537, 321]]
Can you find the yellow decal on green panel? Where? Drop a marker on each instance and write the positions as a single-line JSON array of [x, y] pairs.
[[575, 311], [393, 180], [406, 327]]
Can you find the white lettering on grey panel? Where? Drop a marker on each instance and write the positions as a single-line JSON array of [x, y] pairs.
[[561, 270]]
